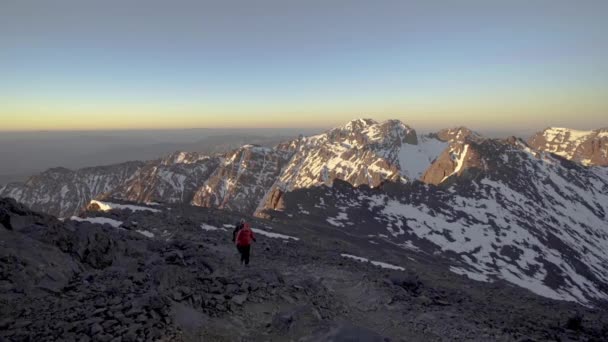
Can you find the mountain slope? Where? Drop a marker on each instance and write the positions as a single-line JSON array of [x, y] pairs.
[[171, 274], [362, 152], [64, 192], [509, 213], [173, 179], [586, 147], [242, 178]]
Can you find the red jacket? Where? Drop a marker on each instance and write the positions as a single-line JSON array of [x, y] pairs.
[[244, 236]]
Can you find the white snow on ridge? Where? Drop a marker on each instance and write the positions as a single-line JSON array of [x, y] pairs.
[[98, 220], [375, 263], [565, 142], [274, 235], [210, 228], [146, 233], [107, 206], [573, 134], [459, 162], [488, 224], [335, 221]]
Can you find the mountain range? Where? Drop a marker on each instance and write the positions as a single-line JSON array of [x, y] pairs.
[[533, 213]]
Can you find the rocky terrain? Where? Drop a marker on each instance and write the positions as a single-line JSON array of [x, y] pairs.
[[530, 218], [495, 209], [586, 147], [123, 272]]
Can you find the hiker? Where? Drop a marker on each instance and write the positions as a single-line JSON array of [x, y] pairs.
[[243, 242], [237, 227]]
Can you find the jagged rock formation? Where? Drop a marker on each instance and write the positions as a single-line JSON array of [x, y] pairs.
[[360, 152], [586, 147], [160, 277], [457, 135], [64, 192], [252, 178], [242, 179], [174, 179], [509, 212]]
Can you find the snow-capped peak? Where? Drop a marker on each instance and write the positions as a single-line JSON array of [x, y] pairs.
[[456, 135], [588, 147], [358, 124], [565, 134]]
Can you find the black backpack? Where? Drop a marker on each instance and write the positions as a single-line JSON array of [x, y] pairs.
[[238, 227]]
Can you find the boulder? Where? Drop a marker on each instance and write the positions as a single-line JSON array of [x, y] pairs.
[[239, 299]]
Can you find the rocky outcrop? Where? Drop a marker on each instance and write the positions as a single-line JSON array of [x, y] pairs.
[[275, 200], [587, 147], [173, 179], [457, 135], [242, 179], [457, 160]]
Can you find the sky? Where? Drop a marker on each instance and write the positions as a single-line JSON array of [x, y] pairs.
[[98, 65]]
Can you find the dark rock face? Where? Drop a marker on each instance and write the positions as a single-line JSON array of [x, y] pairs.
[[586, 147]]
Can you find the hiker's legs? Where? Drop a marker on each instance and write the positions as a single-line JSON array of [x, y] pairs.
[[241, 250], [246, 252]]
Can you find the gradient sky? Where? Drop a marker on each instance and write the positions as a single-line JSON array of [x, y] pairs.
[[87, 64]]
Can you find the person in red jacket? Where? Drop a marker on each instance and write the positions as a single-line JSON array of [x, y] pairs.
[[243, 242]]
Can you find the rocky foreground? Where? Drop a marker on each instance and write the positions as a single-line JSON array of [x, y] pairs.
[[172, 274]]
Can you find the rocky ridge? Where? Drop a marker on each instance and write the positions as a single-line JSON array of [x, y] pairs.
[[64, 192], [361, 152], [587, 147]]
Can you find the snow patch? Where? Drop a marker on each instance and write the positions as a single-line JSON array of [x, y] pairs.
[[459, 162], [274, 235], [335, 221], [415, 159], [98, 220], [107, 206], [210, 228], [375, 263], [146, 233]]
